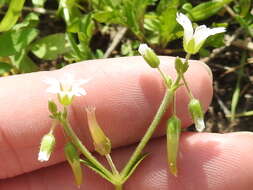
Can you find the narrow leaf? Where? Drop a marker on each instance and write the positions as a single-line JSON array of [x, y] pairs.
[[12, 15], [96, 169], [134, 166], [207, 9]]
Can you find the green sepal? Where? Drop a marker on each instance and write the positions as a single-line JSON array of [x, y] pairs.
[[73, 159], [151, 58], [173, 135], [180, 66], [195, 109], [134, 166]]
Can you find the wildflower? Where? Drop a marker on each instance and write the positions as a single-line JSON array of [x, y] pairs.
[[149, 55], [46, 147], [101, 142], [193, 40], [66, 88], [197, 114]]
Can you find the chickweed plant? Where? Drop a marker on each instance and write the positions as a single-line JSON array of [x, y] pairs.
[[68, 88]]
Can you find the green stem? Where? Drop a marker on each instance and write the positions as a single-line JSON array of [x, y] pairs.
[[118, 187], [113, 167], [69, 131], [163, 75], [236, 93], [187, 57], [164, 105]]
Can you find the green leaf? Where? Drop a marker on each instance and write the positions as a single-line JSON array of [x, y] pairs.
[[134, 166], [167, 28], [109, 16], [207, 9], [22, 38], [4, 68], [86, 30], [13, 42], [245, 7], [75, 49], [50, 46], [6, 45], [31, 21], [12, 15], [96, 169], [23, 63], [2, 2]]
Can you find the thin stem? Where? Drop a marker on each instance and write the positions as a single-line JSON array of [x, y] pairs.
[[236, 93], [163, 75], [164, 105], [187, 57], [118, 187], [113, 167], [69, 131]]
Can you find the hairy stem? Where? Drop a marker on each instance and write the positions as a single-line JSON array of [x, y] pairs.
[[69, 131], [164, 105]]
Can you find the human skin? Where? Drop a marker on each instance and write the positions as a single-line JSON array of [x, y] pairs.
[[126, 93]]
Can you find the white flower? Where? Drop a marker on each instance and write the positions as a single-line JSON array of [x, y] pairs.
[[43, 157], [199, 124], [46, 147], [193, 40], [149, 55], [66, 88], [143, 48]]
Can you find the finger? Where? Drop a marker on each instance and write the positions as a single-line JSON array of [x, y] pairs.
[[125, 91], [207, 162]]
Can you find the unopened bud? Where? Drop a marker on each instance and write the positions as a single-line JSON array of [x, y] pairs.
[[46, 147], [149, 55], [101, 142], [73, 159], [180, 66], [173, 134], [197, 114]]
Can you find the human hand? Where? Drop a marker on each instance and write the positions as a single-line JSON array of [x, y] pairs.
[[126, 93]]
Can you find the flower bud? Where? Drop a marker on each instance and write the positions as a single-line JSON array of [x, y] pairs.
[[73, 159], [173, 134], [46, 147], [197, 114], [149, 55], [180, 66], [101, 142]]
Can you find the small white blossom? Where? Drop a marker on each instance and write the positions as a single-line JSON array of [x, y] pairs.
[[149, 55], [143, 48], [43, 156], [199, 124], [46, 147], [193, 40], [66, 88]]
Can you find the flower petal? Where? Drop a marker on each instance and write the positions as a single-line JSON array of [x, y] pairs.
[[143, 48], [186, 23], [201, 34]]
